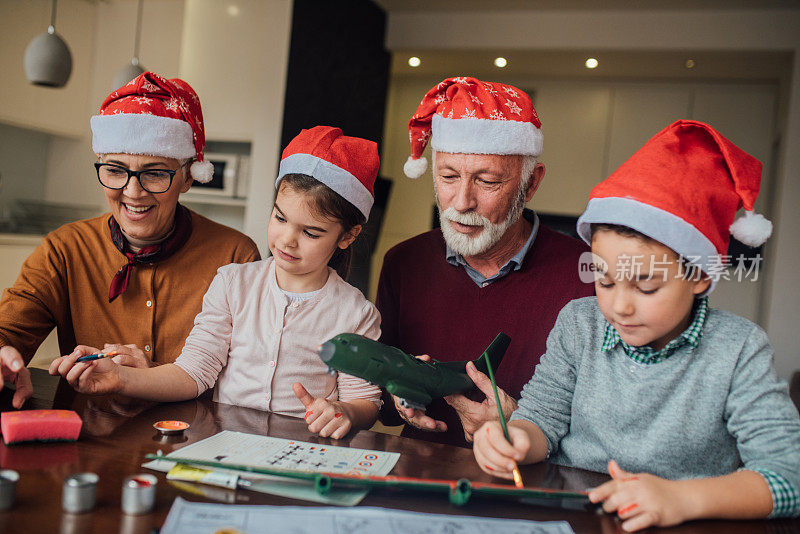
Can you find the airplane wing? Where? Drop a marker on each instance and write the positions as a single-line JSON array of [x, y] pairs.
[[412, 397]]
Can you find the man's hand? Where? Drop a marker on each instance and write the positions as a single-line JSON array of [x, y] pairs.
[[96, 377], [474, 414], [417, 418], [641, 500], [128, 355], [12, 369]]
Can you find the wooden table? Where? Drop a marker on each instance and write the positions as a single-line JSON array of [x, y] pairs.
[[116, 435]]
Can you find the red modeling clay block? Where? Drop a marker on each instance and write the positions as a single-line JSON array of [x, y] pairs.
[[40, 425]]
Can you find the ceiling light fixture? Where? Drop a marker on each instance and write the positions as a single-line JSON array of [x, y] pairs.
[[414, 61], [591, 63], [500, 62], [47, 59]]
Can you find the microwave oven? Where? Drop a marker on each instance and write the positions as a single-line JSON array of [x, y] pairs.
[[223, 183]]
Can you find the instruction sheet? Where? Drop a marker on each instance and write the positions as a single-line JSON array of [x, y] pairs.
[[263, 451], [202, 518]]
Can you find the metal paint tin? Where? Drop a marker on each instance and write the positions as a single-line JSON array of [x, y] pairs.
[[8, 488], [79, 492], [139, 494], [171, 427]]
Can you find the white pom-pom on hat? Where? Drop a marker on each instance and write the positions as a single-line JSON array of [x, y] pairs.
[[414, 168], [753, 229], [202, 171]]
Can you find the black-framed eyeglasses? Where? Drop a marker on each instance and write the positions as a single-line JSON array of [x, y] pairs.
[[115, 176]]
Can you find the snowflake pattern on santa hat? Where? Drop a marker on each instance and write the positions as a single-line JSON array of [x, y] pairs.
[[466, 115]]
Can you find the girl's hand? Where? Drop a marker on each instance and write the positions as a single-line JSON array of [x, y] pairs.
[[641, 500], [96, 377], [128, 355], [324, 417], [495, 454]]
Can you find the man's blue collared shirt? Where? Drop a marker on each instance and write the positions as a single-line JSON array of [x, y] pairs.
[[514, 263]]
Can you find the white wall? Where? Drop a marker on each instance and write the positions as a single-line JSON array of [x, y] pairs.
[[679, 29], [238, 66], [23, 158]]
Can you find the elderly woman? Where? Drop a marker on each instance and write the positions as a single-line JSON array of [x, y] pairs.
[[134, 278]]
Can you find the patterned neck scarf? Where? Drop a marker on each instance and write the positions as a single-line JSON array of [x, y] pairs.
[[149, 254]]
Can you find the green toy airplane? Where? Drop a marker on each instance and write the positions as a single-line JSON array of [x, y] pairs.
[[414, 381]]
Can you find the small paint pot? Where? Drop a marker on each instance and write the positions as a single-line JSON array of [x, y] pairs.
[[168, 428], [139, 494], [8, 488], [79, 492]]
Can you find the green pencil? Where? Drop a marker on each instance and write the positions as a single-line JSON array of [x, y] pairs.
[[517, 476]]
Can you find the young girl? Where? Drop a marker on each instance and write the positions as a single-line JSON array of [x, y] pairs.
[[261, 322]]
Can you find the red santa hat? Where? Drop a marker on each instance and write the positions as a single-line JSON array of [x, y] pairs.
[[154, 116], [467, 116], [683, 189], [348, 165]]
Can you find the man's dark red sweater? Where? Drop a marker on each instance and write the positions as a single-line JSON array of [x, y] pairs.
[[429, 306]]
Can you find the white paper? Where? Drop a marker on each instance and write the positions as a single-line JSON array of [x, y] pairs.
[[203, 518]]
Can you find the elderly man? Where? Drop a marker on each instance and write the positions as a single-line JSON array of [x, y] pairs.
[[134, 278], [492, 267]]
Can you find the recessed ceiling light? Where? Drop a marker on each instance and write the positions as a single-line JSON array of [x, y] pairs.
[[233, 10], [591, 63], [500, 62], [414, 61], [690, 64]]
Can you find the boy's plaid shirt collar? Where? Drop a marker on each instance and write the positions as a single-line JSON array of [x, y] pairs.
[[646, 355]]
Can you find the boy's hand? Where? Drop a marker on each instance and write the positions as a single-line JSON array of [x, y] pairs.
[[641, 500], [324, 417], [495, 454], [97, 377]]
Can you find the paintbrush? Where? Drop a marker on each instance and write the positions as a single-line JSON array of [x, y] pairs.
[[517, 477], [459, 491], [98, 356]]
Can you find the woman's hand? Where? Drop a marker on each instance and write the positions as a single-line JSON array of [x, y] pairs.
[[326, 418], [97, 377], [13, 369], [641, 500]]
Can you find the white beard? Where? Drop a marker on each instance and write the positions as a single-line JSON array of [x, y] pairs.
[[488, 237]]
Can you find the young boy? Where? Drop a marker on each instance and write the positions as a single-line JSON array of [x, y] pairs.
[[685, 398]]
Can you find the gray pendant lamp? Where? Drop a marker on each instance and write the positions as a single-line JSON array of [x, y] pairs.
[[47, 60], [133, 69]]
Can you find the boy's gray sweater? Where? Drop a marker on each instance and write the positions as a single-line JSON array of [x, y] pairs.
[[704, 411]]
